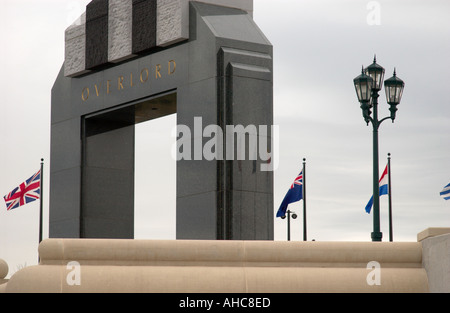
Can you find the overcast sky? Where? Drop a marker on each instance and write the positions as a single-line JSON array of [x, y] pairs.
[[319, 48]]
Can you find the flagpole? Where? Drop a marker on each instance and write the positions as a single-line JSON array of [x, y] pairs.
[[304, 199], [391, 235], [41, 200], [289, 226]]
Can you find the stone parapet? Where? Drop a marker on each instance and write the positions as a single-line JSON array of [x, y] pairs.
[[432, 232], [221, 266]]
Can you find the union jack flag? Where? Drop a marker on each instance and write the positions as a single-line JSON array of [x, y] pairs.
[[298, 180], [27, 192]]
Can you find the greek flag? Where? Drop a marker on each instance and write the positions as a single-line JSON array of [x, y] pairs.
[[445, 193]]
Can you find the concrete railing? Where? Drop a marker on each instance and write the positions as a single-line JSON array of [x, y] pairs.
[[91, 265]]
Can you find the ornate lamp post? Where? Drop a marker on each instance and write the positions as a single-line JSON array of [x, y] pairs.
[[367, 86], [294, 216]]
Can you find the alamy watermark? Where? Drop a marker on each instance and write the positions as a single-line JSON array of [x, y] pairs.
[[374, 276], [73, 278], [374, 15], [74, 11], [235, 142]]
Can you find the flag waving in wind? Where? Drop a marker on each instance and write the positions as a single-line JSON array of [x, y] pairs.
[[445, 193], [28, 191], [294, 194], [383, 189]]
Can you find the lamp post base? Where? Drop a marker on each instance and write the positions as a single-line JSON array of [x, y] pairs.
[[376, 236]]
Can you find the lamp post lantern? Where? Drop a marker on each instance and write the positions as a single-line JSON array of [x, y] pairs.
[[367, 86], [394, 90], [363, 86]]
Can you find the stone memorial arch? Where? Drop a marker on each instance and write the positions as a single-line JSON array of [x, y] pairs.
[[130, 61]]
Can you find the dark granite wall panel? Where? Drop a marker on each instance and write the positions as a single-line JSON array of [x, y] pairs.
[[97, 33], [97, 9], [107, 201], [144, 25]]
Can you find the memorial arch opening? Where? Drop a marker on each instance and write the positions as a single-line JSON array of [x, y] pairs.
[[108, 165]]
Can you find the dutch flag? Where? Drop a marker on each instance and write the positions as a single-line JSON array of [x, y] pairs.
[[383, 189]]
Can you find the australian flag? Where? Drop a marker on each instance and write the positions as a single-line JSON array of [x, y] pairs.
[[294, 194], [28, 191]]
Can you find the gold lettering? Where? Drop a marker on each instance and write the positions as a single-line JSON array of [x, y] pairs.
[[96, 90], [120, 83], [145, 70], [172, 67], [143, 77], [158, 71], [85, 91]]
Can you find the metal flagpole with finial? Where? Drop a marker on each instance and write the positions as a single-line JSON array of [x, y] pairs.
[[304, 199], [41, 200], [391, 235]]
